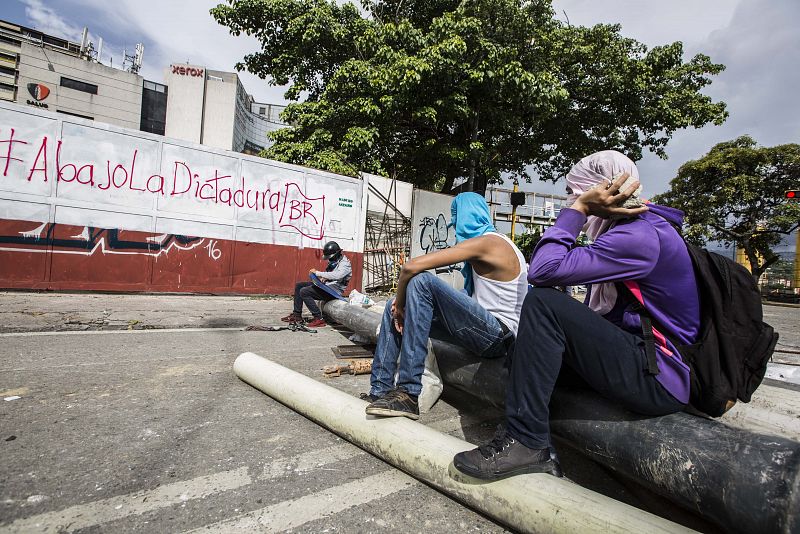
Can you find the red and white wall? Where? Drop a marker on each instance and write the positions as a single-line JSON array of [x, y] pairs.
[[87, 206]]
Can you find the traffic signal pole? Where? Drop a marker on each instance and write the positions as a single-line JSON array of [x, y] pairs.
[[514, 210]]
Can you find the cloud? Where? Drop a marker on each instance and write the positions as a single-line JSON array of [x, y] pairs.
[[753, 38], [45, 19], [759, 85], [171, 31], [650, 22], [178, 32]]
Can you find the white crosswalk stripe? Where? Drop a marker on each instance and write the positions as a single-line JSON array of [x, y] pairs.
[[99, 512], [297, 512], [120, 507]]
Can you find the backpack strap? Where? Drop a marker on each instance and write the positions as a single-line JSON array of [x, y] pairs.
[[649, 340], [648, 332]]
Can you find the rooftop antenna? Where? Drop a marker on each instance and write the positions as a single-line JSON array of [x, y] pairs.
[[133, 61], [84, 40], [99, 50], [139, 56], [90, 53]]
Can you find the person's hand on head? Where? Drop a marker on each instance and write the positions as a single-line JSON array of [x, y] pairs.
[[606, 203]]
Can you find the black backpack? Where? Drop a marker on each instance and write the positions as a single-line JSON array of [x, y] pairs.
[[734, 344]]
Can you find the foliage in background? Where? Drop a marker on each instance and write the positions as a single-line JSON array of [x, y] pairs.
[[778, 274], [735, 194], [428, 91], [527, 241]]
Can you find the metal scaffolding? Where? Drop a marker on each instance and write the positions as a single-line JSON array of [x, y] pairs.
[[387, 244]]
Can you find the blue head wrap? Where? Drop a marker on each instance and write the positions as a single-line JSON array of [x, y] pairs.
[[469, 215]]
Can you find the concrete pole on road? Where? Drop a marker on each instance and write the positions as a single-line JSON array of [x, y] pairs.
[[529, 503]]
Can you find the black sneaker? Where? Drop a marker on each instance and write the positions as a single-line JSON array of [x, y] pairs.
[[503, 457], [368, 397], [557, 471], [396, 403]]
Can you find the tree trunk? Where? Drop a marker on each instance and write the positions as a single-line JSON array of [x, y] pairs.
[[479, 186], [752, 259], [470, 185], [757, 268], [448, 185]]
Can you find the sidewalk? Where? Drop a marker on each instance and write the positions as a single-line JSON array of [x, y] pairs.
[[22, 312], [52, 312]]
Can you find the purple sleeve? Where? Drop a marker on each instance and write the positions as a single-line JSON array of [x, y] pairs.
[[627, 251]]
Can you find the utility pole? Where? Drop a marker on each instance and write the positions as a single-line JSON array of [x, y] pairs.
[[517, 199]]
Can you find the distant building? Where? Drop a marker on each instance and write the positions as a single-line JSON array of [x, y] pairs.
[[212, 108], [48, 72], [195, 104]]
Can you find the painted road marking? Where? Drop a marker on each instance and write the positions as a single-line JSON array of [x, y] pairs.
[[292, 514], [107, 332], [310, 460], [114, 508], [111, 509], [120, 507]]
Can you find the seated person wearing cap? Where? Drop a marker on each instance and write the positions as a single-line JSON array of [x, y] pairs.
[[336, 276], [482, 319]]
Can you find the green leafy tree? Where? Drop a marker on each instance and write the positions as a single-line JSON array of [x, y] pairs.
[[429, 91], [735, 194], [526, 241]]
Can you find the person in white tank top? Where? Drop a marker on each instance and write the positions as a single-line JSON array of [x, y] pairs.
[[483, 318]]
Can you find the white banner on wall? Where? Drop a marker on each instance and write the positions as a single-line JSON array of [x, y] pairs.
[[72, 171]]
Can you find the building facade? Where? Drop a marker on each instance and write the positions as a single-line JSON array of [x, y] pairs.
[[195, 104], [212, 108], [46, 72]]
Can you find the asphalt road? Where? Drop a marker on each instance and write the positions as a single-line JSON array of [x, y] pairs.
[[108, 430], [150, 431]]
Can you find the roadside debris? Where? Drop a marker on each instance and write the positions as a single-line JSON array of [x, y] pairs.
[[294, 327], [346, 352], [353, 367], [360, 299]]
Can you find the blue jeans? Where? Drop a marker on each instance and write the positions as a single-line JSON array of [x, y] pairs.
[[308, 293], [430, 303]]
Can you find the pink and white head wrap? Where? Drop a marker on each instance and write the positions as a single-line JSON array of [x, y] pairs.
[[587, 173]]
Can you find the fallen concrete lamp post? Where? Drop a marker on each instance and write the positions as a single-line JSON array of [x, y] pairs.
[[530, 503], [740, 479]]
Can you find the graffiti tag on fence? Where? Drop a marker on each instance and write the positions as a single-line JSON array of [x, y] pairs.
[[434, 234], [286, 202], [101, 240]]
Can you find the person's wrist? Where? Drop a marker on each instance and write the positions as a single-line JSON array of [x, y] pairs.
[[581, 207]]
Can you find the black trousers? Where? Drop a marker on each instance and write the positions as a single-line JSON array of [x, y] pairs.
[[308, 293], [554, 328]]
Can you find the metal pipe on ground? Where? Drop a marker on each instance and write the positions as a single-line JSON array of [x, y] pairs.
[[736, 476], [531, 503]]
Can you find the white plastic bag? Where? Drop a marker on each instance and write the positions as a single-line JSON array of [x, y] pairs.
[[359, 299], [432, 385]]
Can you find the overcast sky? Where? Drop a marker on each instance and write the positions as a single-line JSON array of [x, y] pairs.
[[757, 40]]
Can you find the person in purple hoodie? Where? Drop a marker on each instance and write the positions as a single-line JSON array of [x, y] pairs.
[[633, 244]]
